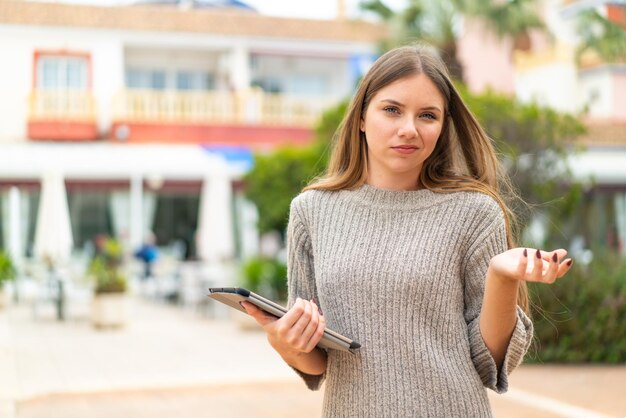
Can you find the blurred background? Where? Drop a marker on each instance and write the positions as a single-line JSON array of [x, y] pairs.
[[150, 149]]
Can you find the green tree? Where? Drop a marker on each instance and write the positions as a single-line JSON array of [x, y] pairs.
[[276, 179], [534, 143], [602, 37], [435, 23], [512, 18], [279, 176], [581, 318]]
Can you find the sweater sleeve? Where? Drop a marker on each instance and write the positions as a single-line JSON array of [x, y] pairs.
[[490, 241], [301, 274]]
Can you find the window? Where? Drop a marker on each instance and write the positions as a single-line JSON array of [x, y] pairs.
[[268, 85], [189, 80], [176, 220], [62, 72], [145, 79], [90, 215], [307, 85]]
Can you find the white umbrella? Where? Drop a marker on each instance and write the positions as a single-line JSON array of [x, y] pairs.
[[53, 235], [215, 227]]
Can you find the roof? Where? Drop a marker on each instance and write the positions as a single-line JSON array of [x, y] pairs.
[[608, 133], [233, 22]]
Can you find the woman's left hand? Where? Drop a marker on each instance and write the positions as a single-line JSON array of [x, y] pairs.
[[531, 265]]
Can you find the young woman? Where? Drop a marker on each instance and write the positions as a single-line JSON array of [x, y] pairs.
[[405, 244]]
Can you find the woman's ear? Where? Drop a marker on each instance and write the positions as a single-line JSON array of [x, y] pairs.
[[362, 125]]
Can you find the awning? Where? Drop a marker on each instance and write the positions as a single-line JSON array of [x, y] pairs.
[[112, 161]]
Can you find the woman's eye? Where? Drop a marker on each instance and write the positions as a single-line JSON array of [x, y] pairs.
[[429, 116], [391, 109]]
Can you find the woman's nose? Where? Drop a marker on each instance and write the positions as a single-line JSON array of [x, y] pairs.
[[407, 129]]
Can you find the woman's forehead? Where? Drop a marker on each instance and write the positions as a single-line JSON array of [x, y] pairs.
[[416, 88]]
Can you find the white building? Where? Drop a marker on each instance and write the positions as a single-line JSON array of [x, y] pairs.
[[139, 106]]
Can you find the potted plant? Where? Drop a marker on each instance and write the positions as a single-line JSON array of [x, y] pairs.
[[7, 274], [110, 303]]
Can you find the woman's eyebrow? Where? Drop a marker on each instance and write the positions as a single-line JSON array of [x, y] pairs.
[[393, 102]]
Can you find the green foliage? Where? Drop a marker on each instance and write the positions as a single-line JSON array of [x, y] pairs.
[[267, 277], [600, 35], [104, 269], [278, 177], [7, 268], [514, 17], [275, 180], [436, 23], [533, 142], [327, 126], [582, 317], [107, 278]]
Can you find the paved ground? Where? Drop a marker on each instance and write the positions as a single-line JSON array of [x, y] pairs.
[[170, 361]]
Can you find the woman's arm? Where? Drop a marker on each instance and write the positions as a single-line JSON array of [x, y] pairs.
[[499, 309], [295, 335]]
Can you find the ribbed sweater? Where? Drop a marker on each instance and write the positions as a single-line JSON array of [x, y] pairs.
[[402, 273]]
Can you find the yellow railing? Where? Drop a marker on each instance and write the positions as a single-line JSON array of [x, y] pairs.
[[75, 105], [248, 107]]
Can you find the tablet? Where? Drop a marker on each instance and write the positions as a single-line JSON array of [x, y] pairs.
[[232, 296]]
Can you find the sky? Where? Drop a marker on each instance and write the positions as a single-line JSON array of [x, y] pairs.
[[320, 9]]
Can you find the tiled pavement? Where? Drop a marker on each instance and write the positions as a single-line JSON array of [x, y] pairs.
[[171, 361]]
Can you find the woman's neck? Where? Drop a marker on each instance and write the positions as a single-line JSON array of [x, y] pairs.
[[381, 182]]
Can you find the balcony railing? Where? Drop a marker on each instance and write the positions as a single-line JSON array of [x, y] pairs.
[[62, 105], [249, 107]]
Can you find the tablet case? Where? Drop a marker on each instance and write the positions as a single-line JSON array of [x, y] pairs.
[[232, 296]]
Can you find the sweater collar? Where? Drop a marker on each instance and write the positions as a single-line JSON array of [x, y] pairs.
[[371, 196]]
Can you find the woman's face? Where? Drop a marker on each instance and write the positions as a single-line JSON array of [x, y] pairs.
[[402, 124]]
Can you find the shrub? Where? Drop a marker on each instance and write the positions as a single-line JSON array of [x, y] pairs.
[[105, 267], [582, 317], [7, 269], [267, 277], [107, 278]]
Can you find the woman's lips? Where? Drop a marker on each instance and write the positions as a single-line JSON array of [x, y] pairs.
[[405, 149]]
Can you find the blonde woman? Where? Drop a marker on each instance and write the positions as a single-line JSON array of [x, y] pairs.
[[405, 246]]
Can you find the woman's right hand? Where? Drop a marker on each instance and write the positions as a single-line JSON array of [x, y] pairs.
[[297, 332]]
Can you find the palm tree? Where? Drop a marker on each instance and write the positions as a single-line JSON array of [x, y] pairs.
[[601, 37], [433, 24], [510, 18], [436, 23]]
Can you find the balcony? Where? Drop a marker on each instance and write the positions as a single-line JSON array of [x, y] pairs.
[[250, 117], [62, 115]]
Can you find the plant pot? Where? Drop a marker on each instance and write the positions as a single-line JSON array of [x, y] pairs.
[[109, 310]]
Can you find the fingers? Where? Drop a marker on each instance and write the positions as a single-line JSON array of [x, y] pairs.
[[303, 334], [293, 315], [301, 324], [317, 334], [536, 273], [262, 317], [550, 275], [546, 267], [564, 267], [313, 323]]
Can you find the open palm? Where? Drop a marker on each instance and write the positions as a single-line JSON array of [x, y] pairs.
[[531, 264]]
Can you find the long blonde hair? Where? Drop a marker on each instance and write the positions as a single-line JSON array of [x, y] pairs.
[[464, 158]]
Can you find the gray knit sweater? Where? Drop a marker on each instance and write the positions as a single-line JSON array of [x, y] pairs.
[[402, 272]]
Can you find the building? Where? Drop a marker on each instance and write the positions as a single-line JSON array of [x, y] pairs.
[[139, 107]]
